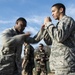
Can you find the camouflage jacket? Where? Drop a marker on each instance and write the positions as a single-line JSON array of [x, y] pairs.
[[11, 47], [41, 57], [63, 48]]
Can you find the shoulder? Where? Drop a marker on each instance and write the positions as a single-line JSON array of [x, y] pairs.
[[7, 30], [30, 46], [68, 18]]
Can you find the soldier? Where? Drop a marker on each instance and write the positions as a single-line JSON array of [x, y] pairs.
[[62, 57], [28, 61], [10, 48], [41, 59], [11, 41]]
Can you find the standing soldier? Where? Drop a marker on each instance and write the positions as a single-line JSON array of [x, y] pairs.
[[62, 57], [28, 61], [41, 59]]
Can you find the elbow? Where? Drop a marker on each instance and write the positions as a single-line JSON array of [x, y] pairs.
[[48, 41]]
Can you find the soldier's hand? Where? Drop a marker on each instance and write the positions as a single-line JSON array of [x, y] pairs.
[[43, 26], [47, 19], [27, 34]]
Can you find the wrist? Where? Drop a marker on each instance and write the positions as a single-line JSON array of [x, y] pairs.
[[48, 24]]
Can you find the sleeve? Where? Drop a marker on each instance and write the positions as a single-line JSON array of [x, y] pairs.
[[63, 32], [38, 37], [47, 39], [42, 34], [9, 40]]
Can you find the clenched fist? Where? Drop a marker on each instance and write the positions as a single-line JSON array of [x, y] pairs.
[[47, 19], [27, 33]]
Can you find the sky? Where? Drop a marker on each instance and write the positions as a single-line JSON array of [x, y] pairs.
[[34, 11]]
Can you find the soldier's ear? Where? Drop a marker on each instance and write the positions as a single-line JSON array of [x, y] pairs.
[[61, 10]]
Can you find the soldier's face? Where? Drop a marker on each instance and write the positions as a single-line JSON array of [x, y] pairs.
[[25, 44], [40, 47], [20, 26], [55, 13]]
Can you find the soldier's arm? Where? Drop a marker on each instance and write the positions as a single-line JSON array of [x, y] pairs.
[[9, 40], [63, 32], [26, 56], [47, 39], [23, 63], [37, 57], [38, 37], [46, 57]]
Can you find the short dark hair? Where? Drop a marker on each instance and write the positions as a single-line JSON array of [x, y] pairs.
[[60, 5], [22, 19], [41, 45]]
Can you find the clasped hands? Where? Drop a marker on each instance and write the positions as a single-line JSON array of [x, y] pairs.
[[46, 20]]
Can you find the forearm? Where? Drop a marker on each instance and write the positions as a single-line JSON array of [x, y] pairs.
[[38, 37], [47, 39]]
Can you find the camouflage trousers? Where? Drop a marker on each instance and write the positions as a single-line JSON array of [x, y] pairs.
[[9, 70], [41, 71], [9, 73], [5, 73], [63, 72]]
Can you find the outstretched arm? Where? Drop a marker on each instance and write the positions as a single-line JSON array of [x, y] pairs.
[[9, 40]]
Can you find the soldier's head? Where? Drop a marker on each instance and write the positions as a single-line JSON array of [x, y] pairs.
[[20, 25], [25, 43], [41, 46], [58, 10]]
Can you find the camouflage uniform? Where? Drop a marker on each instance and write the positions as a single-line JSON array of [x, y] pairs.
[[29, 60], [62, 58], [41, 59], [10, 50]]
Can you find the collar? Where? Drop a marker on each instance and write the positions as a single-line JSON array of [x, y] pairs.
[[62, 18], [14, 30]]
